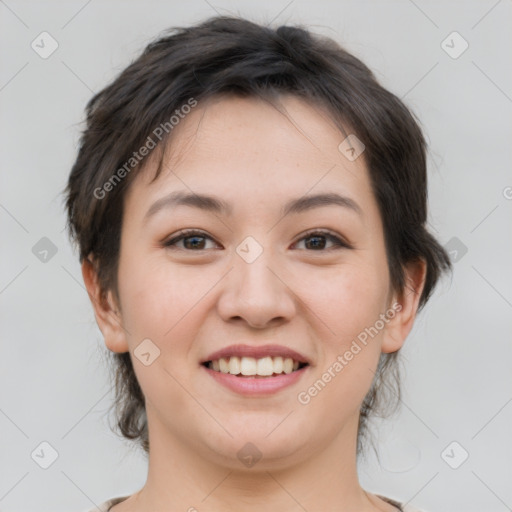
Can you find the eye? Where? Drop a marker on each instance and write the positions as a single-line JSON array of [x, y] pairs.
[[192, 240], [319, 237], [196, 240]]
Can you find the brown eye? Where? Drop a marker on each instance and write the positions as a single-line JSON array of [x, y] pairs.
[[192, 240], [318, 241], [195, 241]]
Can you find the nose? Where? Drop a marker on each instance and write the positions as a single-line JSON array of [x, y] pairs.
[[256, 293]]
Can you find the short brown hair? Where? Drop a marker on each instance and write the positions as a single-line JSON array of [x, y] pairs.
[[233, 56]]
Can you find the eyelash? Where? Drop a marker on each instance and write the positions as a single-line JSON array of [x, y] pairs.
[[189, 233]]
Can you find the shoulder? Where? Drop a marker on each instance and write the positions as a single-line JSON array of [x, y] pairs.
[[106, 505], [411, 508], [399, 505]]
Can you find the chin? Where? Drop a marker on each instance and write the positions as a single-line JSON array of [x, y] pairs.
[[254, 448]]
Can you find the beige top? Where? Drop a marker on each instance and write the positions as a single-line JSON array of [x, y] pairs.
[[105, 506]]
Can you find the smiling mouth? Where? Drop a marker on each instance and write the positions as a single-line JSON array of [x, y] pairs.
[[256, 368]]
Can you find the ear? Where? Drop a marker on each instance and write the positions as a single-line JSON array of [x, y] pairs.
[[106, 310], [405, 305]]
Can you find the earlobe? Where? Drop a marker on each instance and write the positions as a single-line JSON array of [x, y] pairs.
[[106, 310], [406, 305]]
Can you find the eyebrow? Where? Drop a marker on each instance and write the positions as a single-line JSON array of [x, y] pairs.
[[217, 205]]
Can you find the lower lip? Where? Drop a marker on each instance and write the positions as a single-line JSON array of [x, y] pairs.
[[256, 385]]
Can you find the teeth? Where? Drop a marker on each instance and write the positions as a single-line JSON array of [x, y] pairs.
[[223, 365], [278, 364], [248, 366], [288, 365], [234, 365], [265, 366]]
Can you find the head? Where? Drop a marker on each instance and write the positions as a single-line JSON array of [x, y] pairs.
[[256, 118]]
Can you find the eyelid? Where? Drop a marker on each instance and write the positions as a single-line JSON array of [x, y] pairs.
[[338, 240], [185, 233]]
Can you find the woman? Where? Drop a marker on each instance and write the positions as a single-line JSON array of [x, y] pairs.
[[250, 210]]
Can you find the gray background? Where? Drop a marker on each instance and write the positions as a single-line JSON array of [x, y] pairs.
[[458, 387]]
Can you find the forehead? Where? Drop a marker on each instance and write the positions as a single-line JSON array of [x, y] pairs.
[[246, 147], [288, 128]]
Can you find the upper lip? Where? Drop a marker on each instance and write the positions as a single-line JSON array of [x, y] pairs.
[[257, 352]]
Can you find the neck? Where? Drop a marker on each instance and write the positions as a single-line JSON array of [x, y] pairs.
[[185, 477]]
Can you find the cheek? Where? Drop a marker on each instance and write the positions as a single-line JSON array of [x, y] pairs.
[[162, 304], [346, 306], [346, 299], [349, 306], [159, 300]]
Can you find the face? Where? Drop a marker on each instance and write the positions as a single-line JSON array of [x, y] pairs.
[[255, 279]]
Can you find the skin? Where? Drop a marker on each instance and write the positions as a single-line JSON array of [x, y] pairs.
[[191, 302]]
